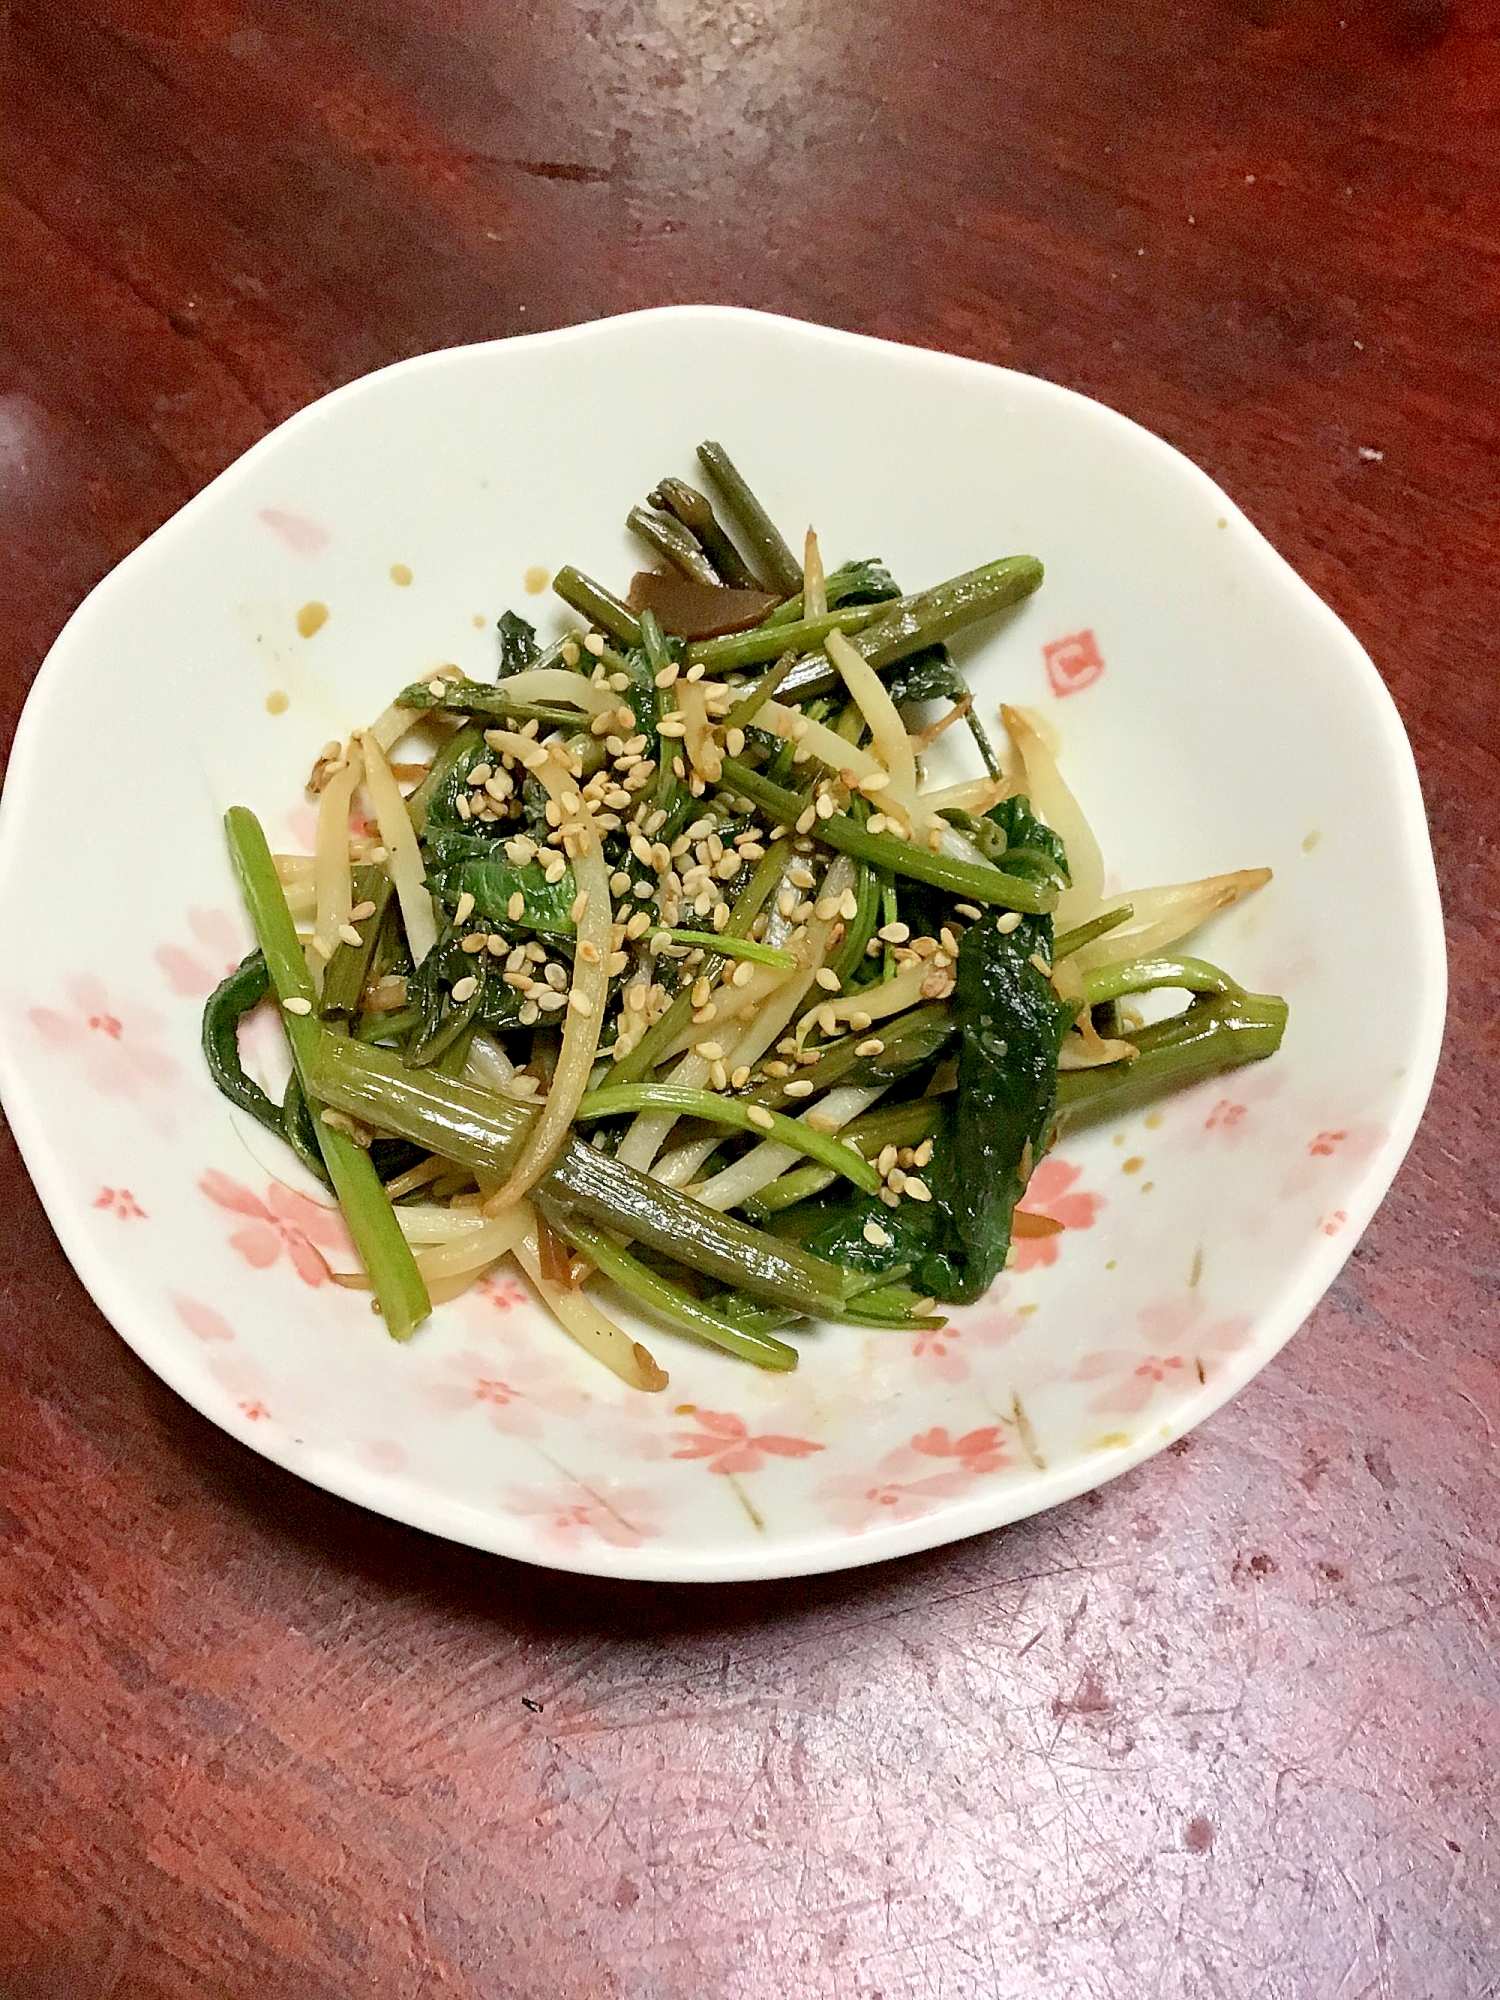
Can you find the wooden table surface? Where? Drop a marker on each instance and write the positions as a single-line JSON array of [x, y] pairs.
[[1226, 1730]]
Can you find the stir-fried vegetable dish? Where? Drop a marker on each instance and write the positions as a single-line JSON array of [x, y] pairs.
[[656, 966]]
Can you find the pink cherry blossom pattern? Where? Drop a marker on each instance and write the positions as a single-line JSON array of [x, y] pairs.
[[515, 1394], [902, 1487], [568, 1516], [1183, 1321], [1129, 1378], [121, 1202], [300, 532], [1343, 1145], [195, 970], [1048, 1194], [283, 1221], [1212, 1115], [725, 1441], [114, 1041], [948, 1351], [503, 1291], [201, 1320]]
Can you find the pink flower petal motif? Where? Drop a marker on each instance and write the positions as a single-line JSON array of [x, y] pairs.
[[195, 970], [901, 1487], [623, 1517], [285, 1220], [976, 1451], [121, 1202], [259, 1245], [947, 1351], [113, 1041], [303, 535], [1048, 1194], [201, 1320], [1130, 1379], [725, 1441], [1182, 1323], [516, 1394], [1339, 1145]]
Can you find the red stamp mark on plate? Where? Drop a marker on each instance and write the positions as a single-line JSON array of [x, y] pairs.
[[1073, 663]]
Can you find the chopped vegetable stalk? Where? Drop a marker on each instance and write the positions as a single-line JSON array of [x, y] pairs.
[[399, 1291], [650, 1289], [770, 551], [797, 1137], [1167, 915], [979, 884], [597, 604], [403, 856], [788, 1137]]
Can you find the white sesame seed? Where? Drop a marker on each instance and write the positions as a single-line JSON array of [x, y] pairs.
[[580, 1002], [875, 782], [550, 1001], [740, 1077], [530, 1013], [466, 988], [887, 1195], [360, 911], [593, 642], [827, 978], [464, 908], [555, 977], [758, 1115], [710, 1051], [473, 943], [667, 675], [743, 973], [894, 933], [802, 1087], [570, 653], [720, 916], [515, 908], [580, 904], [873, 1233], [917, 1190], [873, 1047], [296, 1006], [436, 687], [1009, 922]]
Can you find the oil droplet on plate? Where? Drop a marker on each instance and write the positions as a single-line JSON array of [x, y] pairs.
[[478, 621], [277, 703], [401, 573], [1310, 841], [536, 580], [1152, 1121], [1146, 1186], [1111, 1265], [1133, 1165], [1223, 522], [312, 618]]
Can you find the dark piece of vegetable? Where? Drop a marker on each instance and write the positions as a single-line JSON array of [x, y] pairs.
[[233, 998], [778, 565], [931, 676], [518, 646], [695, 511], [1011, 1024], [692, 610]]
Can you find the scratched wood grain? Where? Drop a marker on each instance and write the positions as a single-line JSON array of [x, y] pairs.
[[1228, 1728]]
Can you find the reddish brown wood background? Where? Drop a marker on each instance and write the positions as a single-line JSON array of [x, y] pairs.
[[1227, 1729]]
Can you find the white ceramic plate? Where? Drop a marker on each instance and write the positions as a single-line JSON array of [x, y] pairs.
[[1214, 714]]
